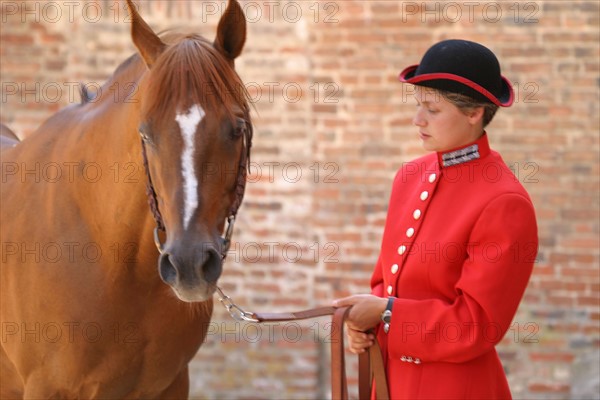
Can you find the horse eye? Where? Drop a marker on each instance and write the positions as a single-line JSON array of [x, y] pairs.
[[240, 127]]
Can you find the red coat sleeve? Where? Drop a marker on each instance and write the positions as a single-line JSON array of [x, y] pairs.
[[501, 252]]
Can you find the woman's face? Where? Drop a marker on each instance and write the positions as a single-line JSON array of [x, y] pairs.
[[442, 126]]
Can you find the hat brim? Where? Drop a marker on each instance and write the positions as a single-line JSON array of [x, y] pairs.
[[442, 81]]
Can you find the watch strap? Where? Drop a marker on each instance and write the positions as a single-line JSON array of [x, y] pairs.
[[386, 315]]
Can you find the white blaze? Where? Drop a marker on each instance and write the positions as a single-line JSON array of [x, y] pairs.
[[188, 123]]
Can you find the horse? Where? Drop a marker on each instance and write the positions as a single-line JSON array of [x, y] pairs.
[[91, 306]]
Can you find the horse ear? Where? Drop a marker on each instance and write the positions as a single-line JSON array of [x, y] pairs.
[[147, 42], [231, 32]]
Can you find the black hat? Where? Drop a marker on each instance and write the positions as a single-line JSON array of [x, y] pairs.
[[464, 67]]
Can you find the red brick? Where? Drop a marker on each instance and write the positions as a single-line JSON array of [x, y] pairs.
[[543, 270], [18, 40], [552, 357], [561, 300], [581, 272], [549, 388], [588, 301]]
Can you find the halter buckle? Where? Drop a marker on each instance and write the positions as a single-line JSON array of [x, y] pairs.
[[228, 235], [159, 245]]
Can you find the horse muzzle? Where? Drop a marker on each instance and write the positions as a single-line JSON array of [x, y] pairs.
[[191, 271]]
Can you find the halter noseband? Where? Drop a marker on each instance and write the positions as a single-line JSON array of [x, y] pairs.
[[237, 202]]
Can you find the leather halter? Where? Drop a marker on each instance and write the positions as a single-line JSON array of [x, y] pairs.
[[240, 188]]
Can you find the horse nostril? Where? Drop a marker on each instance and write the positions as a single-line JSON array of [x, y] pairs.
[[166, 269], [211, 269]]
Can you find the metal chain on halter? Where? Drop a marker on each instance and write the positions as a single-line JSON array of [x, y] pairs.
[[235, 311]]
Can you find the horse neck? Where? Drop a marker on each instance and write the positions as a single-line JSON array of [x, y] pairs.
[[110, 140]]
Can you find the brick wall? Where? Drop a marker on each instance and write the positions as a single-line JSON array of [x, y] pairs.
[[332, 127]]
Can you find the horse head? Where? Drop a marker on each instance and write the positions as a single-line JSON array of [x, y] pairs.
[[196, 133]]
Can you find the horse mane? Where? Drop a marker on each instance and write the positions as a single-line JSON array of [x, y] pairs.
[[86, 96], [191, 71]]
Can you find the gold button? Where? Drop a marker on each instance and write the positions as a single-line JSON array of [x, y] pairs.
[[394, 268], [432, 178], [417, 361], [424, 195], [390, 289], [417, 214], [401, 249], [410, 232]]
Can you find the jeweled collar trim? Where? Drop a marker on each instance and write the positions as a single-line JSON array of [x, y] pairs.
[[474, 151], [460, 156]]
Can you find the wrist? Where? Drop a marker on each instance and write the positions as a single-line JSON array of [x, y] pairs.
[[386, 314]]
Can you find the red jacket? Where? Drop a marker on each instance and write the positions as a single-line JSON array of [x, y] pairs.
[[458, 248]]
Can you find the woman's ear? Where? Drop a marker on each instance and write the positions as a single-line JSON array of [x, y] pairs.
[[475, 115]]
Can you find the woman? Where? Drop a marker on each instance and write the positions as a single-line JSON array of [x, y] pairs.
[[459, 242]]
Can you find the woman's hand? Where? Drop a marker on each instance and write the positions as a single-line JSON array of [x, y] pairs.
[[364, 315], [359, 341]]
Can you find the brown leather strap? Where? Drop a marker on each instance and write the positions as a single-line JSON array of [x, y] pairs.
[[294, 316], [150, 192], [364, 375], [378, 372], [370, 363], [339, 386]]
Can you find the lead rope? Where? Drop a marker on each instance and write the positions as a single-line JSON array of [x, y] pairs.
[[370, 364]]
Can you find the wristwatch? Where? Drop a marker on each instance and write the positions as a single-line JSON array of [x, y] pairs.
[[386, 315]]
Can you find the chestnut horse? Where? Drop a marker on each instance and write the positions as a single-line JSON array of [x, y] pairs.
[[84, 311]]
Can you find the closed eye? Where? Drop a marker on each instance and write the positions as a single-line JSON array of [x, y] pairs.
[[427, 106]]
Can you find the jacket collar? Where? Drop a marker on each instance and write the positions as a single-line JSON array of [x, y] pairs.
[[474, 151]]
